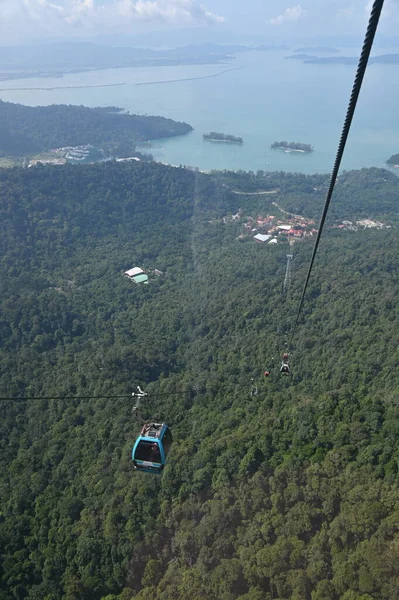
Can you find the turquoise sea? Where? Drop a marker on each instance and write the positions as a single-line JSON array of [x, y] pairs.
[[270, 99]]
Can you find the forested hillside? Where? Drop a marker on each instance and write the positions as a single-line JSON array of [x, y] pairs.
[[28, 129], [393, 160], [289, 494]]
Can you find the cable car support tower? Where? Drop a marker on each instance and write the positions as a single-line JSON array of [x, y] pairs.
[[288, 273]]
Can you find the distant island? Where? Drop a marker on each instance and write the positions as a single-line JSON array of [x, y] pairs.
[[300, 57], [292, 147], [394, 160], [384, 59], [267, 47], [327, 49], [333, 60], [213, 136]]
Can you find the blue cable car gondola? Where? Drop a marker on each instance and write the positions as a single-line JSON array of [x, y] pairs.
[[151, 448]]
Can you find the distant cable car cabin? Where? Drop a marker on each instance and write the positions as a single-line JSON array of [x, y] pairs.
[[152, 447]]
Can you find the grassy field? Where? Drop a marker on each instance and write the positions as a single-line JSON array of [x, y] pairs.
[[9, 162], [15, 161]]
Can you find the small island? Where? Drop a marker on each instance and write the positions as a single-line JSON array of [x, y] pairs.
[[213, 136], [300, 57], [320, 49], [394, 160], [292, 147]]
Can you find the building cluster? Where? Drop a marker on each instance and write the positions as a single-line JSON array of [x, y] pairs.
[[361, 224], [138, 275], [268, 228]]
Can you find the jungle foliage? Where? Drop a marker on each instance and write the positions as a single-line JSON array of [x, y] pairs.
[[29, 129], [222, 137], [289, 494]]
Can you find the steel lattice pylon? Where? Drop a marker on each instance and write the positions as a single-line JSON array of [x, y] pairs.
[[287, 278]]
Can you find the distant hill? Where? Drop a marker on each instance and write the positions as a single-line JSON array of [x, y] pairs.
[[333, 60], [385, 59], [300, 57], [394, 160], [320, 49], [26, 129], [54, 59]]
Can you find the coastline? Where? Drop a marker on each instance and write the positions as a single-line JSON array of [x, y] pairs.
[[191, 78], [60, 87], [288, 150], [223, 141]]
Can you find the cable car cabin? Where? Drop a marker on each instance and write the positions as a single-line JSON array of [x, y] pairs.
[[151, 448], [285, 369]]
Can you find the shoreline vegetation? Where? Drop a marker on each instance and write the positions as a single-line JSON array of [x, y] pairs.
[[214, 136], [292, 147]]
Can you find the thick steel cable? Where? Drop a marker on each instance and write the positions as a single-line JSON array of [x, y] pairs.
[[125, 396], [357, 84]]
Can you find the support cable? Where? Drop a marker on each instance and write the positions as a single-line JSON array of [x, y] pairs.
[[125, 396], [357, 84]]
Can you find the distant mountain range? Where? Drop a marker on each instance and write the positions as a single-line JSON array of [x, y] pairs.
[[57, 58], [318, 49]]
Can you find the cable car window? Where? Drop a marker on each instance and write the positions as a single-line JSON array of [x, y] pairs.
[[148, 451], [167, 441]]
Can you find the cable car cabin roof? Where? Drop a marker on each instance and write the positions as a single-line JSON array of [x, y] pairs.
[[153, 430]]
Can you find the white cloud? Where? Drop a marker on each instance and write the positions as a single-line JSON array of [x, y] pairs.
[[290, 15], [54, 16], [346, 13], [167, 11], [172, 11]]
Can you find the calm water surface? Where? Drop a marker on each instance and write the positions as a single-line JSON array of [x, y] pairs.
[[269, 99]]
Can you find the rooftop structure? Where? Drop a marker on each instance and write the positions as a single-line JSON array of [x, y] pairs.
[[259, 237], [133, 272], [128, 159], [141, 278], [137, 275]]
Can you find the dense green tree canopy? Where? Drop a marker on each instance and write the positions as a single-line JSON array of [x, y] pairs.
[[288, 494], [26, 129]]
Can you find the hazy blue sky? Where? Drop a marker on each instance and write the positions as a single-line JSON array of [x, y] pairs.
[[21, 20]]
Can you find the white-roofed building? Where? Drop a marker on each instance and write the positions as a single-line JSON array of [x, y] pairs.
[[260, 237], [273, 241], [284, 227], [133, 272]]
